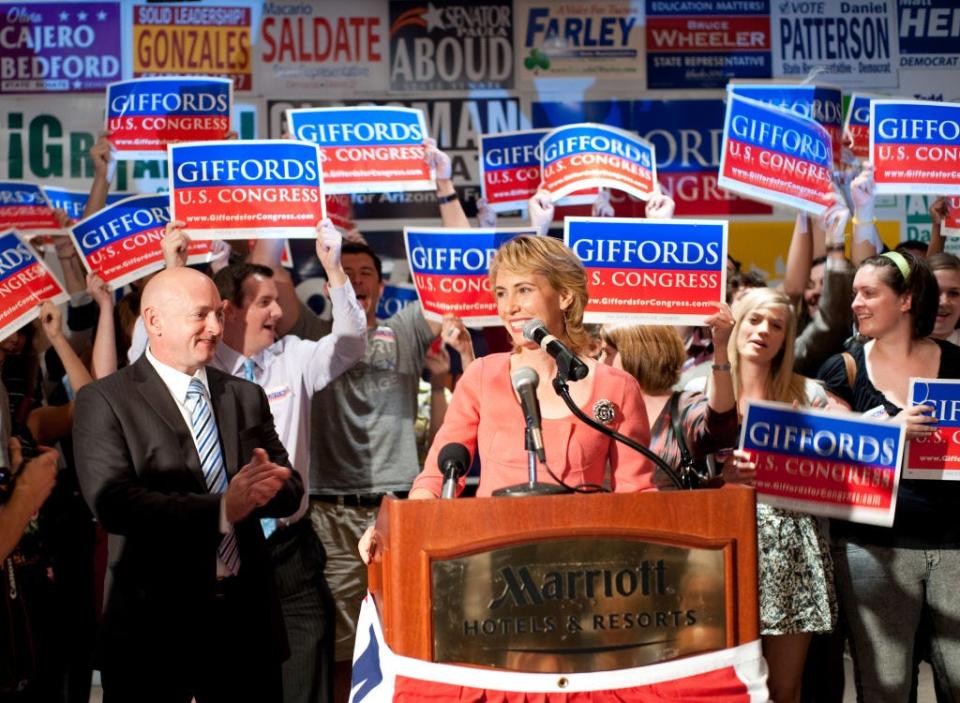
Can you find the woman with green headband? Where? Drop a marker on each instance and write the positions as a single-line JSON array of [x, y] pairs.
[[888, 577]]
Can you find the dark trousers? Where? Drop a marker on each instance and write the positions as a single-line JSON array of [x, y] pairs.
[[308, 613]]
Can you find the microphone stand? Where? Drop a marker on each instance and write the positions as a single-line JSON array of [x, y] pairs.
[[532, 487], [562, 388]]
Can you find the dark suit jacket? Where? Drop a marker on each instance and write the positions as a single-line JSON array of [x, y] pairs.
[[140, 474]]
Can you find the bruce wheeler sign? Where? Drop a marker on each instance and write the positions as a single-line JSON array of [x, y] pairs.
[[831, 464], [144, 115], [366, 149], [915, 146], [258, 188], [665, 272], [449, 45]]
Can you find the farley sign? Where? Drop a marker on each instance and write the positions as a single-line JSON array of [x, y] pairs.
[[666, 272], [144, 115], [830, 464], [775, 156], [259, 188], [915, 146]]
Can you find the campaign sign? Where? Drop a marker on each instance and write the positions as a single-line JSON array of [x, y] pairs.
[[122, 241], [823, 103], [374, 149], [832, 464], [950, 227], [286, 257], [915, 146], [25, 282], [510, 168], [856, 128], [938, 456], [669, 272], [143, 115], [591, 155], [258, 188], [394, 299], [775, 156], [24, 207], [450, 268], [73, 202]]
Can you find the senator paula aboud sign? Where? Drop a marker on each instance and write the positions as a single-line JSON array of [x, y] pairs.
[[775, 156], [915, 146], [25, 282], [938, 456], [143, 115], [510, 168], [373, 149], [234, 189], [450, 268], [121, 242], [832, 464], [588, 155], [670, 272]]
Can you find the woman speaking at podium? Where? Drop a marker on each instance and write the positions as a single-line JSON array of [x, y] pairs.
[[539, 278]]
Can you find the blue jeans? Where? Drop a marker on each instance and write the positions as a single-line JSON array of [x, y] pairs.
[[883, 592]]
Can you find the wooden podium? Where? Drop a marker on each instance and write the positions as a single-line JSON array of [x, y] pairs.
[[567, 582]]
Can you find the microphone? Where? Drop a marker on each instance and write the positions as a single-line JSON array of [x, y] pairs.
[[454, 460], [569, 366], [525, 381]]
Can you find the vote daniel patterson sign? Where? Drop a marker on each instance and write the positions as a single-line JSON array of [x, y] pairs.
[[669, 272], [775, 156], [832, 464], [238, 189], [915, 146]]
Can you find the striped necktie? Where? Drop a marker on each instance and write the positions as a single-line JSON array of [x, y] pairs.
[[204, 428]]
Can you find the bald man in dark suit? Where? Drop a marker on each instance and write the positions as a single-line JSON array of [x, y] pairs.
[[182, 461]]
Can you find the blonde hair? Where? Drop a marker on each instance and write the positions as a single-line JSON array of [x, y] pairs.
[[652, 354], [551, 258], [783, 384]]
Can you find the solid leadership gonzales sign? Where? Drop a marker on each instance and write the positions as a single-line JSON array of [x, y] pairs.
[[915, 146], [366, 149], [775, 156], [25, 282], [667, 272], [587, 155], [832, 464], [144, 115], [510, 168], [121, 243], [937, 456], [450, 270], [823, 103], [856, 128], [24, 207], [259, 188]]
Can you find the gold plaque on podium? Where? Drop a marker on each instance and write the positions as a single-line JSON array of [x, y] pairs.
[[581, 604]]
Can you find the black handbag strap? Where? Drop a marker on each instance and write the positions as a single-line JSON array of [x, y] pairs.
[[686, 456]]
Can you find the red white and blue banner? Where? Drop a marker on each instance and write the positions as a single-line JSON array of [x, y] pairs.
[[936, 457], [121, 242], [73, 202], [833, 464], [587, 155], [510, 168], [950, 227], [775, 156], [25, 282], [395, 298], [823, 103], [380, 676], [856, 127], [450, 270], [915, 146], [669, 272], [25, 208], [144, 115], [371, 149], [237, 189]]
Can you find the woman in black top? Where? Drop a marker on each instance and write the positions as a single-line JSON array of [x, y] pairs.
[[888, 576]]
